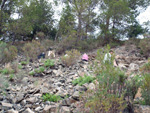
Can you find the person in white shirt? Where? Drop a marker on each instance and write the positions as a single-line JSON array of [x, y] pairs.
[[108, 58]]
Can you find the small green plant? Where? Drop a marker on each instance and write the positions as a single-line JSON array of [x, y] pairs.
[[3, 83], [82, 80], [41, 69], [20, 66], [49, 63], [24, 62], [31, 73], [5, 71], [11, 77], [38, 70], [50, 97]]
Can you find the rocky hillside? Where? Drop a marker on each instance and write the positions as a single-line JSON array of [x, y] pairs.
[[25, 96]]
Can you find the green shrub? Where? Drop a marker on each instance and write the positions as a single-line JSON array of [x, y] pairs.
[[32, 49], [71, 58], [24, 62], [47, 43], [41, 69], [66, 44], [20, 66], [6, 71], [146, 88], [7, 53], [3, 83], [145, 46], [133, 85], [11, 77], [38, 70], [50, 97], [49, 63], [82, 80], [31, 73], [108, 97], [145, 68]]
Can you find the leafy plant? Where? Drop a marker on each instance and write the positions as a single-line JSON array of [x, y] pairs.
[[20, 66], [31, 73], [82, 80], [49, 63], [11, 77], [41, 69], [133, 85], [24, 62], [50, 97]]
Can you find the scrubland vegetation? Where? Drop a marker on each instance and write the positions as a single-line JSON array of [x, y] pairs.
[[35, 32]]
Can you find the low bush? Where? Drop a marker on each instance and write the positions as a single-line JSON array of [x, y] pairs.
[[7, 53], [46, 43], [49, 63], [50, 97], [37, 71], [24, 62], [146, 88], [145, 68], [145, 46], [7, 70], [3, 83], [32, 49], [133, 84], [11, 77], [111, 88], [71, 57], [31, 73], [66, 44], [82, 80]]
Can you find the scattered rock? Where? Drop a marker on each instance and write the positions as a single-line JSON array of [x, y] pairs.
[[49, 109], [65, 109], [28, 110], [12, 111]]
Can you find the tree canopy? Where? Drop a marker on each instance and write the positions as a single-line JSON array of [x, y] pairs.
[[114, 19]]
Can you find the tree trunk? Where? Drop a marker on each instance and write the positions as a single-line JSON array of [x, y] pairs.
[[107, 38], [79, 26]]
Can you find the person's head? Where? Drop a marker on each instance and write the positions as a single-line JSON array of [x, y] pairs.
[[111, 51]]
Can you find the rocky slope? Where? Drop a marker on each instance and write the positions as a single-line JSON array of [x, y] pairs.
[[25, 97]]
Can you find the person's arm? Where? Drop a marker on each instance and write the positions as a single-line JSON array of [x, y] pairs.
[[115, 63]]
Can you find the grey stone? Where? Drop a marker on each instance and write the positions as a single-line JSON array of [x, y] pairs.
[[20, 97], [6, 105], [65, 109], [76, 95], [12, 111], [141, 109], [38, 109], [80, 88], [23, 102], [49, 109], [28, 110], [31, 100]]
